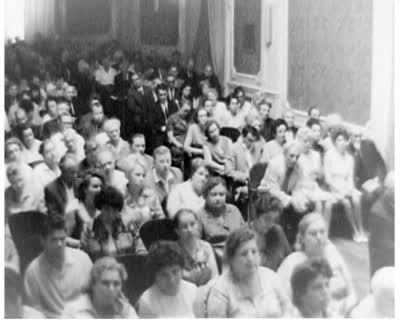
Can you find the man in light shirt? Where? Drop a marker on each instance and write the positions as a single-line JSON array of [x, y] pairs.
[[119, 146], [105, 74], [47, 171]]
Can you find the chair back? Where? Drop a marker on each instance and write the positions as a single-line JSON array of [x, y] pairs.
[[139, 277], [25, 228], [231, 133], [155, 230]]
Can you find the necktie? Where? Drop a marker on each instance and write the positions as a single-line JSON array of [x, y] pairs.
[[288, 174], [165, 108]]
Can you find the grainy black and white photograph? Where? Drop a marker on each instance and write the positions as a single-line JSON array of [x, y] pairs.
[[199, 158]]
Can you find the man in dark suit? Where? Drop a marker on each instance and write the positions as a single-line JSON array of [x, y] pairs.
[[91, 124], [172, 90], [209, 75], [190, 76], [53, 126], [59, 195], [162, 110], [140, 105]]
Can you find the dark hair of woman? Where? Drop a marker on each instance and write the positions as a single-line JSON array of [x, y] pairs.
[[179, 213], [208, 126], [306, 272], [236, 239], [340, 131], [164, 254], [84, 184], [277, 123], [310, 122], [211, 183]]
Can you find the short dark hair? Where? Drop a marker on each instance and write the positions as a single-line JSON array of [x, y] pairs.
[[196, 114], [306, 272], [237, 90], [277, 123], [109, 196], [339, 131], [211, 183], [161, 86], [89, 174], [236, 239], [164, 254], [50, 98], [310, 109], [264, 205], [310, 122], [253, 131], [53, 222], [62, 99]]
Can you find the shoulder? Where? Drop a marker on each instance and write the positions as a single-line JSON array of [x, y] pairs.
[[292, 260], [78, 256], [177, 172], [33, 268], [232, 209], [79, 307], [267, 275], [189, 288]]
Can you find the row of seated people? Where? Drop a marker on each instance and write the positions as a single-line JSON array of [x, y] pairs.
[[183, 279]]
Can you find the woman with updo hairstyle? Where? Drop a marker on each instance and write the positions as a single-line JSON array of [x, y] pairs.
[[109, 236], [312, 242], [217, 149], [339, 176], [104, 298], [310, 287], [189, 194], [141, 203], [195, 137], [169, 295], [271, 240], [200, 264], [245, 289], [275, 146], [218, 218]]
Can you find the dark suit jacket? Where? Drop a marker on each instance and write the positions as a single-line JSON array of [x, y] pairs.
[[159, 121], [214, 83], [122, 85], [368, 163], [87, 127], [140, 107], [55, 197]]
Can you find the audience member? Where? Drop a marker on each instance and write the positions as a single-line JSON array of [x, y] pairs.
[[104, 297], [200, 264], [195, 137], [119, 147], [169, 296], [51, 278], [30, 153], [108, 235], [74, 144], [267, 128], [162, 178], [291, 129], [90, 161], [218, 218], [275, 147], [209, 75], [246, 281], [189, 194], [48, 170], [271, 240], [310, 287], [92, 123], [314, 113], [339, 176]]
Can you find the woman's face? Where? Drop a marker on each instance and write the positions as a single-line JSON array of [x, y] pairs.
[[186, 91], [315, 237], [14, 152], [246, 259], [213, 132], [109, 213], [212, 97], [341, 144], [94, 186], [49, 154], [265, 221], [316, 296], [217, 197], [257, 124], [17, 182], [264, 111], [307, 144], [185, 110], [208, 106], [52, 108], [28, 138], [107, 288], [188, 226], [137, 176], [168, 279], [202, 117], [280, 133], [199, 178], [234, 106]]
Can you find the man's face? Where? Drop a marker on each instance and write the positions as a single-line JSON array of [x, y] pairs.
[[17, 182], [292, 156], [62, 109], [107, 288], [190, 64], [137, 82], [52, 108], [113, 132], [316, 132], [49, 153], [315, 114], [66, 122], [69, 171], [208, 71], [28, 137], [162, 95], [264, 111], [185, 110], [13, 90], [234, 106], [162, 163], [54, 243], [21, 118], [69, 93], [138, 145], [69, 141], [173, 71], [289, 118], [240, 95], [90, 151], [249, 141], [106, 163], [171, 82], [14, 152], [98, 114]]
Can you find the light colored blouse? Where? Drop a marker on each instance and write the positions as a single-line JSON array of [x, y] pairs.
[[182, 196], [218, 152], [339, 171], [271, 149], [195, 136], [155, 304], [341, 286], [226, 300]]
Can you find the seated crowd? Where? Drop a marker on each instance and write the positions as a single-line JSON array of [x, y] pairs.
[[103, 144]]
